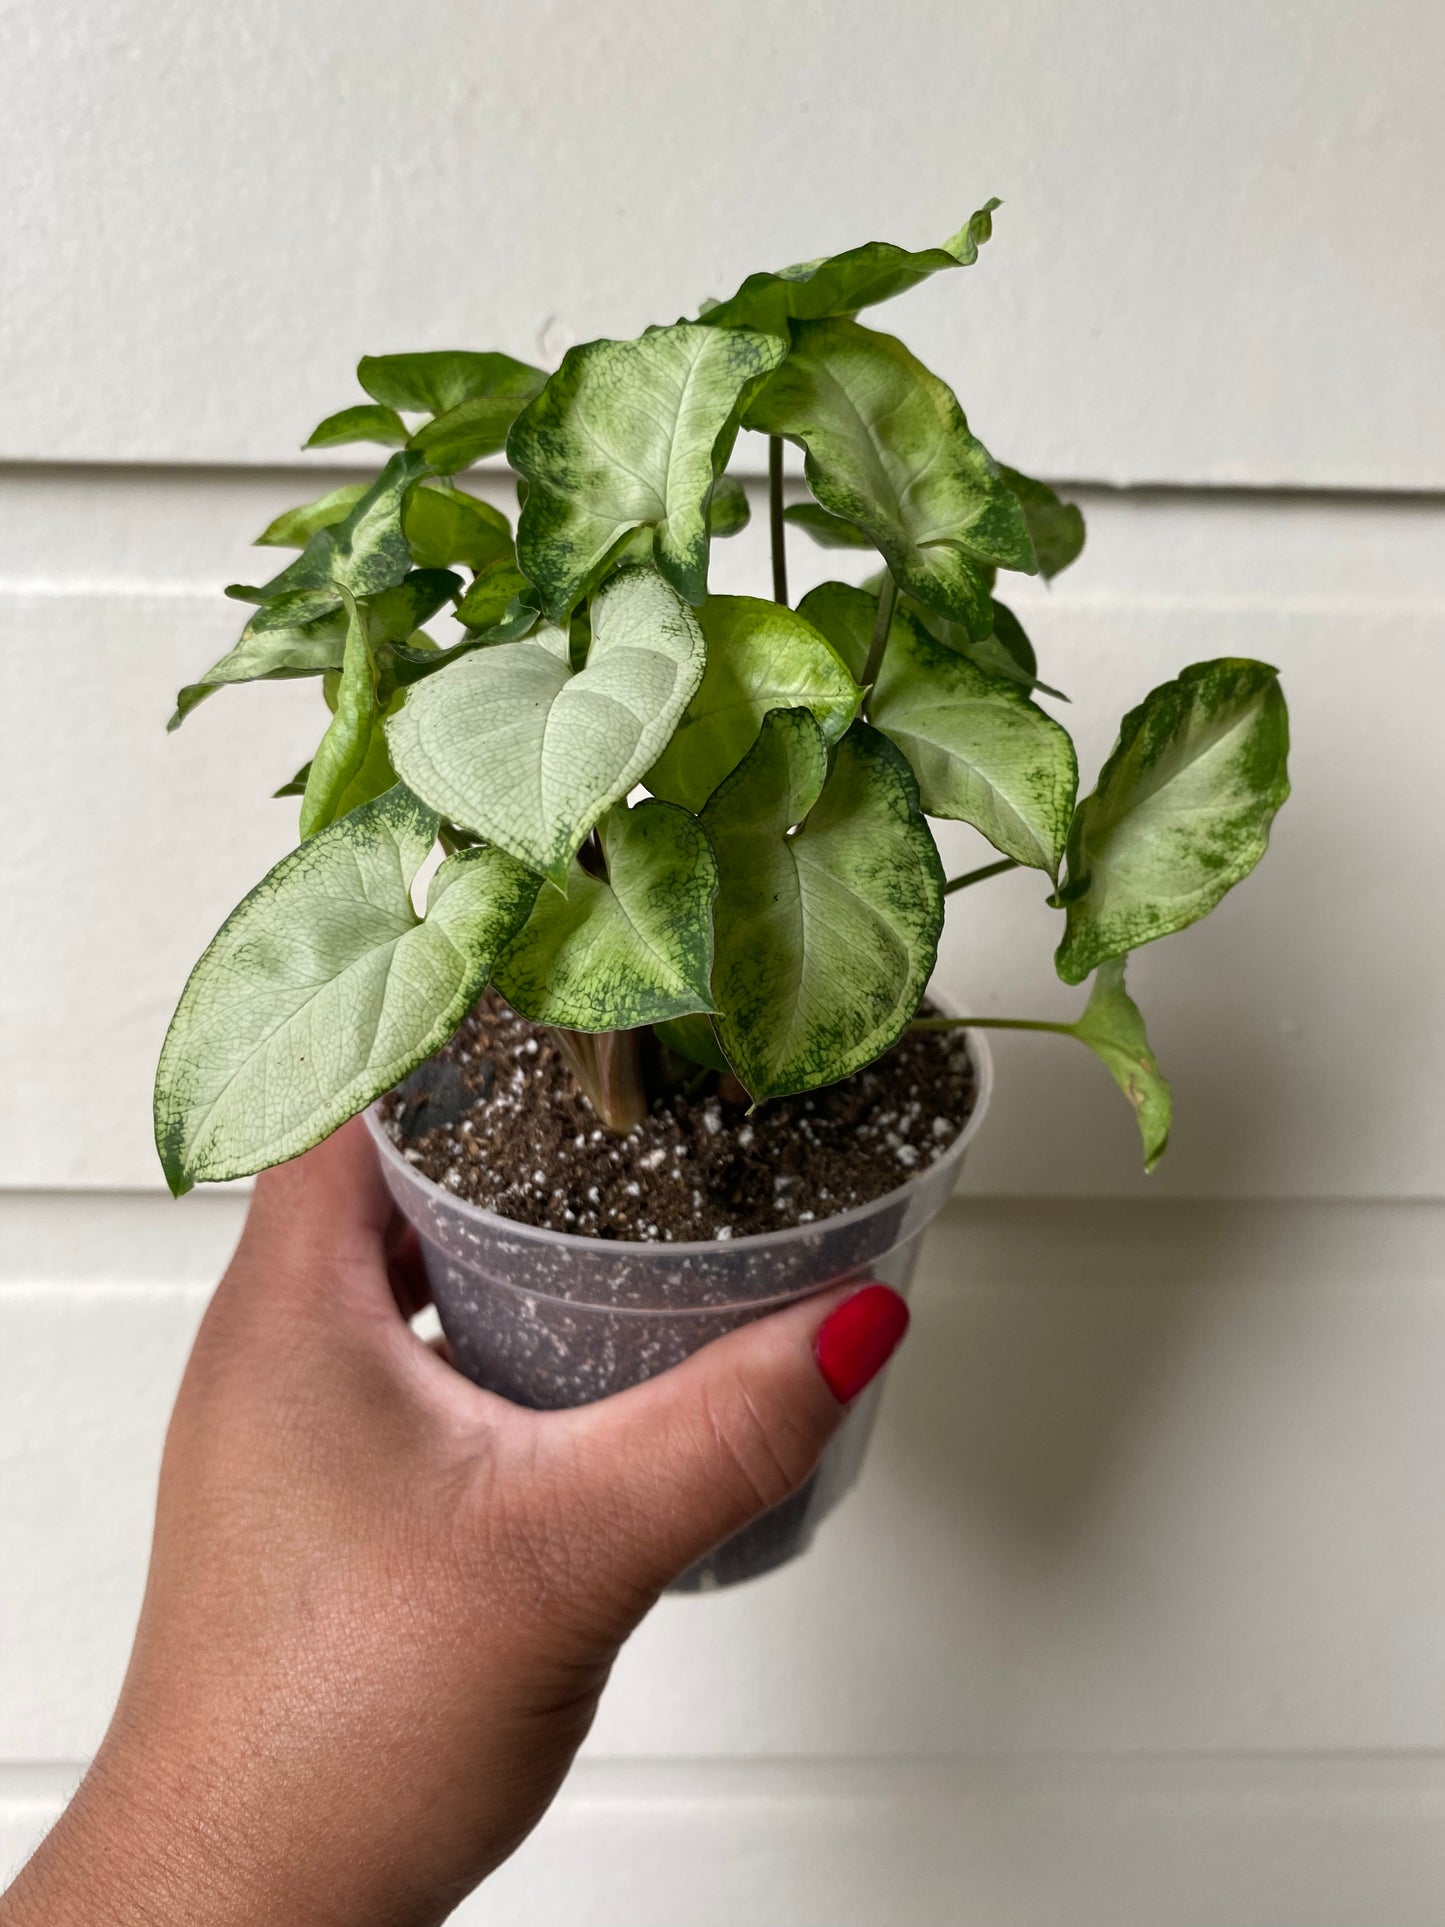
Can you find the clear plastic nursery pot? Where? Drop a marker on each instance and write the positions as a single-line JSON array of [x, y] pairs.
[[550, 1319]]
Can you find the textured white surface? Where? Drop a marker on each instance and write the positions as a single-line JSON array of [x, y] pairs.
[[1135, 1618], [1213, 263], [1149, 1479]]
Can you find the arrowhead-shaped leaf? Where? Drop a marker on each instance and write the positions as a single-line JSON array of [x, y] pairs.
[[1055, 528], [1181, 812], [633, 949], [303, 633], [629, 435], [1113, 1029], [826, 933], [322, 989], [511, 745], [444, 525], [441, 379], [295, 527], [841, 284], [888, 449], [760, 656], [363, 423]]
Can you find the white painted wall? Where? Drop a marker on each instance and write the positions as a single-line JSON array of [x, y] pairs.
[[1136, 1615]]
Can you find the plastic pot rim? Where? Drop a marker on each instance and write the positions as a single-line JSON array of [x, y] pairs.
[[495, 1221]]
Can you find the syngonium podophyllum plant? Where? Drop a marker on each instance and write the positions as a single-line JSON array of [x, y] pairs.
[[770, 909]]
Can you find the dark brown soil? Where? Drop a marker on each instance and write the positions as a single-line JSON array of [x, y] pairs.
[[497, 1120]]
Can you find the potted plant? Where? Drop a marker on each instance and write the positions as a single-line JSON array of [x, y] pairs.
[[656, 1052]]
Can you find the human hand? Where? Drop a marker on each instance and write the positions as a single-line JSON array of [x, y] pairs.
[[382, 1603]]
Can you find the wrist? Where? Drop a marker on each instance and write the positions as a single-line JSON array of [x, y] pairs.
[[133, 1855]]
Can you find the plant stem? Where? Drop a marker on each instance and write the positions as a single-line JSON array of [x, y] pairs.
[[776, 524], [989, 1023], [608, 1066], [980, 875], [887, 599]]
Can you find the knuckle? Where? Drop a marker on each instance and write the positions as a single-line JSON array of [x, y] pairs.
[[766, 1453]]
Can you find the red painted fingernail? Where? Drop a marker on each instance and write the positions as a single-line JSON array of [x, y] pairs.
[[857, 1340]]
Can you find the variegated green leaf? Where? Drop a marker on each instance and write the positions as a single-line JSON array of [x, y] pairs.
[[295, 528], [635, 948], [363, 552], [510, 744], [363, 423], [841, 284], [981, 751], [1181, 812], [322, 989], [760, 656], [629, 435], [888, 449], [826, 933], [1055, 528], [828, 531], [440, 379], [303, 633], [1113, 1029], [444, 525]]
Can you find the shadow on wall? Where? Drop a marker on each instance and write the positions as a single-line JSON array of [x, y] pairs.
[[1052, 1330]]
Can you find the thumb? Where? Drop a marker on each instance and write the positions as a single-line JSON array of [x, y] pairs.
[[681, 1462]]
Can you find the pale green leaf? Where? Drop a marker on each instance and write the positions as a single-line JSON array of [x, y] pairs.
[[363, 423], [295, 527], [728, 512], [1181, 812], [444, 525], [888, 449], [635, 948], [1113, 1029], [841, 284], [760, 656], [828, 531], [322, 989], [1055, 528], [826, 933], [510, 744], [344, 747], [628, 435], [440, 379], [303, 633]]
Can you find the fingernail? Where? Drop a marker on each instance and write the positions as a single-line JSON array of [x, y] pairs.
[[857, 1340]]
